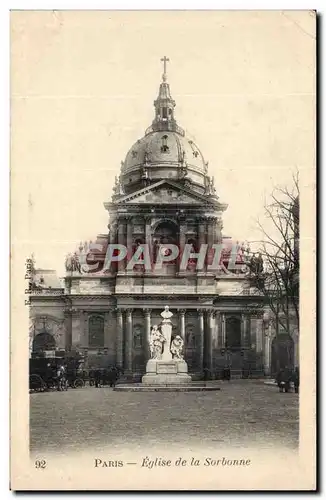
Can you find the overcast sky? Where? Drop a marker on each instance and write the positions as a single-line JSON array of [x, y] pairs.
[[83, 86]]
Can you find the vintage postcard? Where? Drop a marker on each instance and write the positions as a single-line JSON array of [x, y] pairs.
[[163, 329]]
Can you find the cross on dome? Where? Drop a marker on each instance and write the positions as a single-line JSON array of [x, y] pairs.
[[164, 61]]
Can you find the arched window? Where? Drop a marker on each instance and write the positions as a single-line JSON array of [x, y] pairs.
[[164, 147], [166, 232], [96, 331], [44, 341]]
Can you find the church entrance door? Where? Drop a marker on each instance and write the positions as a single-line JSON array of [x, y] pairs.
[[233, 345]]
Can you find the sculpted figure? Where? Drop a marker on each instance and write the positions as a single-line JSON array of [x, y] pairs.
[[166, 314], [76, 263], [210, 188], [68, 262], [144, 173], [146, 158], [167, 333], [183, 172], [156, 343], [117, 188], [177, 347]]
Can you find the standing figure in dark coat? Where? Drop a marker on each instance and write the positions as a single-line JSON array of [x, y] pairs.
[[296, 379], [98, 377], [283, 379], [227, 366]]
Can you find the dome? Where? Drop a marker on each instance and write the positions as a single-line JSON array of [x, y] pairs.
[[164, 153]]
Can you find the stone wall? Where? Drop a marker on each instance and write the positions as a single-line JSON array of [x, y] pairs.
[[47, 315]]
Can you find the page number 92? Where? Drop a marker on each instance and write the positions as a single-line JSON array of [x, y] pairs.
[[40, 464]]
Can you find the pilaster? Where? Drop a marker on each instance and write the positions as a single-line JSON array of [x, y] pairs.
[[119, 338], [68, 328], [147, 313], [223, 330], [209, 339], [259, 333], [267, 350], [128, 343], [75, 328], [182, 237], [182, 313], [201, 339], [202, 223], [129, 238], [122, 241]]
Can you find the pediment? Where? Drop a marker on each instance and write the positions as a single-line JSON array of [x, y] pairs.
[[164, 192]]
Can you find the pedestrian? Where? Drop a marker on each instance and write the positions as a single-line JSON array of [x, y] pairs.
[[296, 379], [283, 379], [97, 378]]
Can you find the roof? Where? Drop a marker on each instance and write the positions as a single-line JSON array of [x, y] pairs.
[[47, 278]]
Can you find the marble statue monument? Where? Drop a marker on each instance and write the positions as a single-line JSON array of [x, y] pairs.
[[166, 365]]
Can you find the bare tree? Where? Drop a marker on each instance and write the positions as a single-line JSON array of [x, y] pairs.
[[274, 270]]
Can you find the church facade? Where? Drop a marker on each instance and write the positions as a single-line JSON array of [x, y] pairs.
[[163, 198]]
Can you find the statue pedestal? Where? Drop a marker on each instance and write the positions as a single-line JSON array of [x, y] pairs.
[[172, 372]]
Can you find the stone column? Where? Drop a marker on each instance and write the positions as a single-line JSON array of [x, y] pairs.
[[75, 329], [182, 238], [209, 339], [223, 328], [259, 334], [113, 232], [182, 313], [201, 339], [259, 344], [218, 332], [218, 226], [68, 328], [210, 231], [129, 238], [267, 351], [202, 236], [128, 342], [210, 240], [121, 241], [244, 331], [119, 338], [201, 230], [84, 326], [148, 332], [148, 238]]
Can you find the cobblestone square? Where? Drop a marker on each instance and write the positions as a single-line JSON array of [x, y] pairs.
[[241, 414]]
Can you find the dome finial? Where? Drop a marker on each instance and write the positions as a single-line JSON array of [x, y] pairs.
[[164, 61]]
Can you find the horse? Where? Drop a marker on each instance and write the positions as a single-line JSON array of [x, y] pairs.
[[113, 374], [61, 380]]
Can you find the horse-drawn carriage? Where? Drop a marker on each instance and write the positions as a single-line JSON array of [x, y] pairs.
[[54, 372], [100, 377]]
